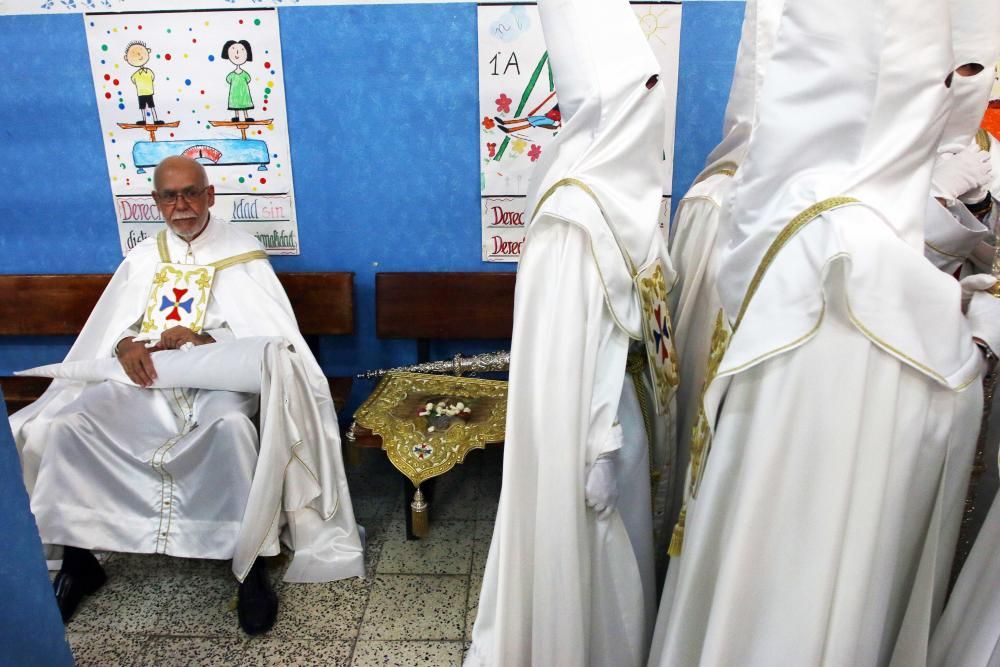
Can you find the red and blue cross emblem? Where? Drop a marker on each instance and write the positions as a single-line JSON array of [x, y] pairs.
[[176, 304]]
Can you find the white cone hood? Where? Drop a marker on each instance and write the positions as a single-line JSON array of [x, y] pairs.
[[612, 134], [975, 33], [760, 28]]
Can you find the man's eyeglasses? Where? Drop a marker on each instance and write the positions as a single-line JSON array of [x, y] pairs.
[[169, 197]]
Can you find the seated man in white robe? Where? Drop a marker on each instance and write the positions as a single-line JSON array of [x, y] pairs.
[[116, 467]]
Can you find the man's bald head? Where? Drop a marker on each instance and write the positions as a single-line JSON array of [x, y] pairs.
[[182, 163], [183, 195]]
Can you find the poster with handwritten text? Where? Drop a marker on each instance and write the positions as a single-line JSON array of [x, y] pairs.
[[519, 111], [208, 85]]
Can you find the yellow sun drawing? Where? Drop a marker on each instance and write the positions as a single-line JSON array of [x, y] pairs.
[[653, 23]]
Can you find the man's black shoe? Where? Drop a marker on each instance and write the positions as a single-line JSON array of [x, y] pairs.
[[80, 575], [257, 605]]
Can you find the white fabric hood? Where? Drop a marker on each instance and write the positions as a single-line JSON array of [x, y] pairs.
[[612, 134], [851, 112], [853, 102], [760, 27], [975, 34]]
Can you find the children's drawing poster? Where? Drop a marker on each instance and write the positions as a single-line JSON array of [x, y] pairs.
[[208, 85], [519, 113]]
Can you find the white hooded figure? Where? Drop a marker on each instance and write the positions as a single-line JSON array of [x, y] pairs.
[[696, 223], [964, 208], [841, 414], [568, 579]]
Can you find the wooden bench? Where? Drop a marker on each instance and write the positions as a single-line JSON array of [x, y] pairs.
[[58, 305], [439, 306]]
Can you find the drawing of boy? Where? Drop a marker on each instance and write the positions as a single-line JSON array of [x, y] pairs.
[[137, 55], [238, 52]]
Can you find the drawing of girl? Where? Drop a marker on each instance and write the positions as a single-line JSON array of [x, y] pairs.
[[238, 52]]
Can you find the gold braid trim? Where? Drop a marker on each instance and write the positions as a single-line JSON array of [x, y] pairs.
[[781, 240], [161, 244], [566, 182], [635, 366], [724, 169], [983, 139], [701, 433], [239, 259], [242, 258]]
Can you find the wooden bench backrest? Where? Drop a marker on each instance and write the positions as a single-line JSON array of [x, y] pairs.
[[444, 305], [53, 305]]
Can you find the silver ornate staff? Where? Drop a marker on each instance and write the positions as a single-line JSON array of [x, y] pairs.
[[457, 365]]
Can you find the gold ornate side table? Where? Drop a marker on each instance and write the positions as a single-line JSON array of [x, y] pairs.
[[429, 423]]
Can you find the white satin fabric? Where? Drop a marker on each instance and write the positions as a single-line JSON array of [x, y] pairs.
[[230, 365], [968, 633], [824, 526], [693, 250], [760, 27], [144, 448], [975, 30], [826, 130], [564, 585]]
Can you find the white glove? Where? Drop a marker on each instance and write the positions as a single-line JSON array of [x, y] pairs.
[[977, 282], [601, 489], [963, 176], [984, 318]]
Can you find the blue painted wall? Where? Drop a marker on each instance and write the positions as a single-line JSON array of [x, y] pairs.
[[31, 631], [383, 125]]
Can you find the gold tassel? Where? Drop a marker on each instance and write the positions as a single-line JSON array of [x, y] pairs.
[[677, 537], [418, 513]]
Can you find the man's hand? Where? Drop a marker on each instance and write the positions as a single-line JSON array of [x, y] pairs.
[[174, 337], [137, 362]]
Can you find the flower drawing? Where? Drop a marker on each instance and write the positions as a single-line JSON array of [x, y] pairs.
[[488, 123], [503, 103], [535, 152]]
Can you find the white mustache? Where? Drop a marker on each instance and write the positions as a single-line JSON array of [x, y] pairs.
[[183, 216]]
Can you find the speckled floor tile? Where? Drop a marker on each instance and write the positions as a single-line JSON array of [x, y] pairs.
[[416, 607], [272, 651], [481, 545], [123, 604], [328, 611], [475, 585], [102, 649], [200, 605], [368, 508], [456, 495], [447, 550], [470, 621], [407, 654], [192, 652]]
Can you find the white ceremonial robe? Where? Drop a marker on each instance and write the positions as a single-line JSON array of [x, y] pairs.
[[968, 634], [825, 523], [182, 471], [562, 584], [693, 252]]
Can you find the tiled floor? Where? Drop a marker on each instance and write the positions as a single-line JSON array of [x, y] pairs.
[[416, 607]]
